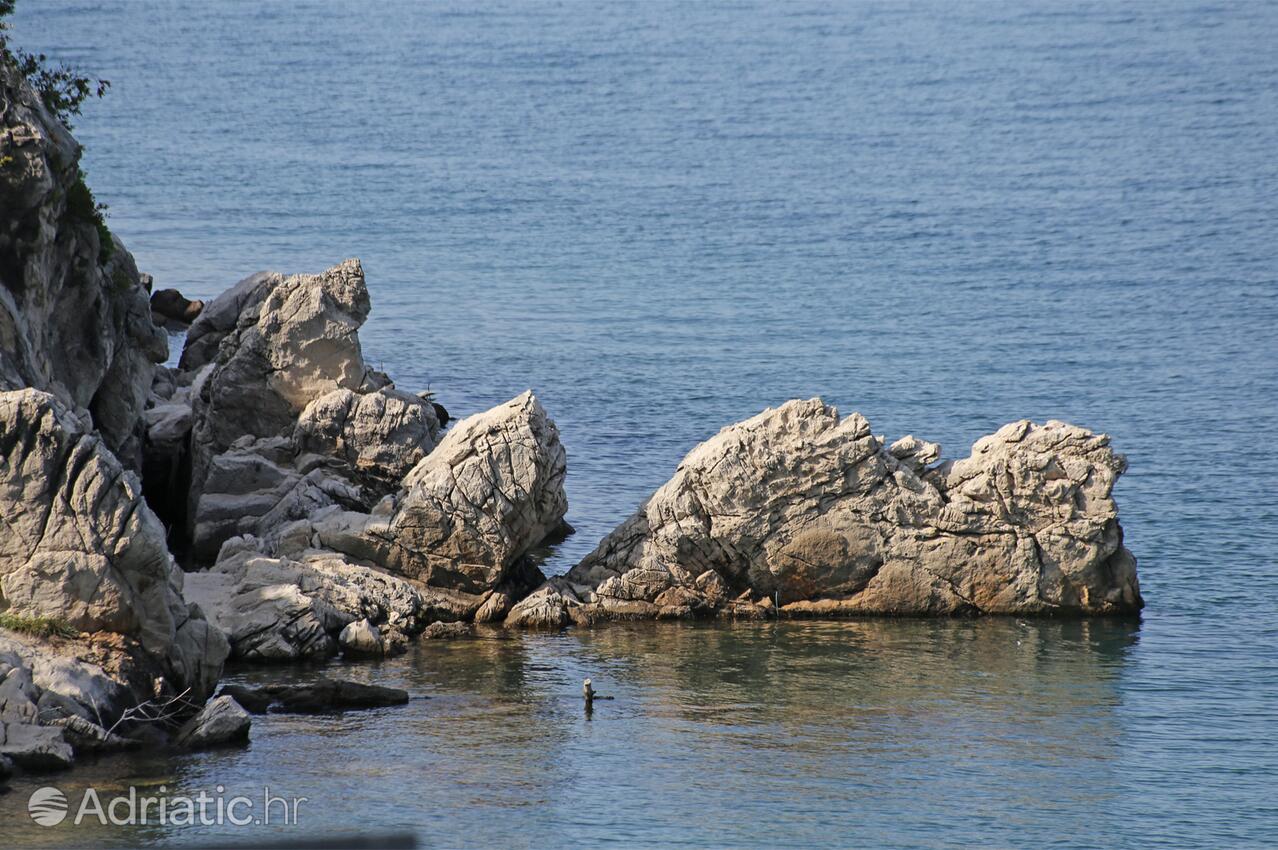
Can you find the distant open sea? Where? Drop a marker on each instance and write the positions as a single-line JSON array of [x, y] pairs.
[[664, 217]]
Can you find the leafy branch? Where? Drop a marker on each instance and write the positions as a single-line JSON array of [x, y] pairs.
[[62, 89]]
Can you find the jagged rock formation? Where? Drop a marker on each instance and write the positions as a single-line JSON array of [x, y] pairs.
[[450, 545], [800, 510], [75, 318], [81, 547], [286, 418], [82, 559], [286, 608], [318, 488], [471, 508]]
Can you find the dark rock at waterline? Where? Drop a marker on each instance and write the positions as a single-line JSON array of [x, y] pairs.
[[334, 695], [441, 413], [222, 722], [448, 631], [37, 749], [6, 770], [172, 305], [252, 700], [318, 697]]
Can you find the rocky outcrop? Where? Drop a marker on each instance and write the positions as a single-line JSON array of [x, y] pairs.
[[221, 722], [83, 557], [286, 418], [82, 548], [75, 320], [287, 608], [93, 625], [471, 509], [318, 489], [801, 511]]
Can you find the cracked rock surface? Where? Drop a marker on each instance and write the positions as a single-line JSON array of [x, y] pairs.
[[75, 315], [801, 510], [80, 546], [273, 413], [325, 497]]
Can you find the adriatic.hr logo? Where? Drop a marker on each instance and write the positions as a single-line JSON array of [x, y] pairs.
[[49, 806]]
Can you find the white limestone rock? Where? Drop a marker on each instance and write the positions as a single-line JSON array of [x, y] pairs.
[[801, 508], [287, 608], [82, 547], [382, 434], [75, 317], [488, 493]]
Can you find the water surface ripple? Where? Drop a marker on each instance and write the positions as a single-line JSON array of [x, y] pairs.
[[665, 217]]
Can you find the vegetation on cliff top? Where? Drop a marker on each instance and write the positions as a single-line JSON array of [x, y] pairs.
[[63, 90]]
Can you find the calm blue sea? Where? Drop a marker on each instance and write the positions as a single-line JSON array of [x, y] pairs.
[[664, 217]]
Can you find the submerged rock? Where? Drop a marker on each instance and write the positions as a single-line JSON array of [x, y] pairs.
[[798, 509], [448, 631]]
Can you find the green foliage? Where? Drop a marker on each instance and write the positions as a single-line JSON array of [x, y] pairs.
[[63, 89], [83, 207], [37, 626]]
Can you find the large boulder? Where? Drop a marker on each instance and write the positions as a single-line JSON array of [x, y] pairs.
[[381, 435], [82, 550], [452, 545], [221, 722], [470, 510], [801, 510], [75, 319], [297, 606], [297, 343], [286, 417]]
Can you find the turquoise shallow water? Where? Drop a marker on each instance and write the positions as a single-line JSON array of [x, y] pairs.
[[665, 217]]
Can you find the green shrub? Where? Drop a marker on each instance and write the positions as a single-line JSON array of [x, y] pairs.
[[37, 626], [83, 208], [63, 89]]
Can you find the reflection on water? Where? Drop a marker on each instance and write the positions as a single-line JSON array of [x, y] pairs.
[[846, 732]]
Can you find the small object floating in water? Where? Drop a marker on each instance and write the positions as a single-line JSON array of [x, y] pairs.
[[588, 691]]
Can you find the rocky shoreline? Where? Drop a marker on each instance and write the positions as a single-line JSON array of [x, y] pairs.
[[274, 498]]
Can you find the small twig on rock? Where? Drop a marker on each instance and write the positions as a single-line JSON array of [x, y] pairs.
[[155, 711]]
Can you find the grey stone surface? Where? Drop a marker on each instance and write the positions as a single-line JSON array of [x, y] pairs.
[[81, 546], [801, 510], [75, 319], [221, 722]]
